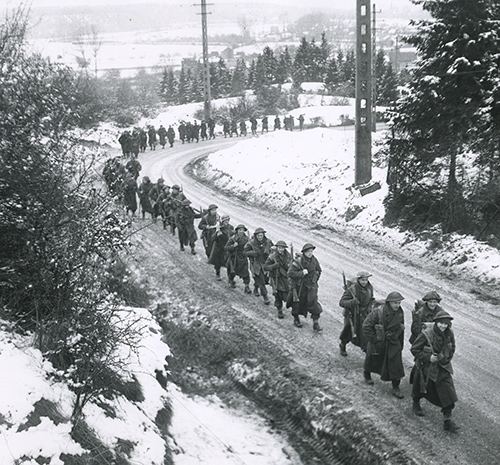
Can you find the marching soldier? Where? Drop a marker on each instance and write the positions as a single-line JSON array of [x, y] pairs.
[[143, 140], [304, 273], [356, 301], [258, 250], [154, 195], [144, 198], [226, 128], [135, 142], [184, 219], [234, 128], [277, 123], [208, 225], [277, 264], [152, 138], [211, 128], [196, 132], [164, 205], [383, 329], [237, 261], [433, 350], [203, 130], [125, 143], [265, 124], [243, 128], [218, 254], [129, 194], [301, 122], [171, 136], [182, 131], [134, 167], [291, 122], [253, 125], [175, 200], [162, 134]]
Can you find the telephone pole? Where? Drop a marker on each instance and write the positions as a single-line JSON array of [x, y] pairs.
[[363, 134], [206, 64], [374, 67]]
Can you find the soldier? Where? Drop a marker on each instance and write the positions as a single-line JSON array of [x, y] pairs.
[[203, 130], [125, 143], [217, 256], [265, 124], [243, 128], [258, 250], [291, 122], [226, 129], [129, 194], [154, 195], [171, 136], [196, 132], [383, 329], [237, 261], [424, 312], [164, 205], [135, 142], [162, 134], [277, 123], [152, 138], [175, 200], [301, 122], [277, 264], [234, 128], [211, 128], [433, 351], [143, 140], [184, 219], [304, 273], [357, 302], [208, 225], [253, 125], [134, 167], [144, 190], [182, 132]]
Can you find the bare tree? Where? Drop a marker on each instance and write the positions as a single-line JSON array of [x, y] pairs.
[[96, 41]]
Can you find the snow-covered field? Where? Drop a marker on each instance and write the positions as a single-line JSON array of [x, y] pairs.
[[311, 174]]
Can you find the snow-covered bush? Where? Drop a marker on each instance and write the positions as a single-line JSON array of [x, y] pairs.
[[58, 233]]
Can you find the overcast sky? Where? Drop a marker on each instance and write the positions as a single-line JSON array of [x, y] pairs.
[[344, 4]]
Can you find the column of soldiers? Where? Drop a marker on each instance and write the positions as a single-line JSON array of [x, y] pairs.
[[377, 328]]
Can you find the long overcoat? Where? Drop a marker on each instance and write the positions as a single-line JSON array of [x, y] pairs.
[[257, 252], [277, 264], [208, 225], [237, 261], [218, 254], [385, 342], [356, 312], [129, 194], [184, 220], [303, 295], [434, 381], [144, 190]]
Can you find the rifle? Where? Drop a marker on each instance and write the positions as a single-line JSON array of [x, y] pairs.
[[353, 328]]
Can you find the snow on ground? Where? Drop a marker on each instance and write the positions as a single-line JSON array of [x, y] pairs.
[[311, 174], [26, 379], [206, 432]]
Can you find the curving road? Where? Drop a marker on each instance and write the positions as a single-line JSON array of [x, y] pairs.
[[476, 325]]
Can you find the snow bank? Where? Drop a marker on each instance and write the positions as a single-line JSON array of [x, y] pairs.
[[208, 433], [315, 100], [311, 174], [29, 382], [313, 87]]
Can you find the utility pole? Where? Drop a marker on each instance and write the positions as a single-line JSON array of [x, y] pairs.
[[374, 67], [206, 64], [363, 155]]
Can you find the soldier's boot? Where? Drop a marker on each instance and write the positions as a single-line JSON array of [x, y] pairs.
[[182, 248], [256, 291], [232, 284], [343, 350], [280, 313], [143, 215], [316, 326], [247, 289], [266, 299], [164, 224], [417, 408], [217, 275], [296, 321], [368, 378], [193, 252], [396, 392], [450, 426]]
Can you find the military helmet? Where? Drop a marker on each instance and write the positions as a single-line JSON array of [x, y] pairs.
[[212, 206], [225, 218], [281, 244], [176, 186], [259, 230], [363, 274], [442, 315], [241, 226], [432, 295], [186, 202], [307, 246], [394, 297], [161, 180]]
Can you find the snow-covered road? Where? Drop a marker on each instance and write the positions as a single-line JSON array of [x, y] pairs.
[[476, 325]]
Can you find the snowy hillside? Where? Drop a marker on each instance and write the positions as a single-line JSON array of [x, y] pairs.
[[310, 174]]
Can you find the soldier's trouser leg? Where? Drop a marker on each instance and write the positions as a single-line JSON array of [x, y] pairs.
[[260, 283], [346, 334], [279, 299]]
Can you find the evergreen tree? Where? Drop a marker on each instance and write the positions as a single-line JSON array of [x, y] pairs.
[[449, 107], [224, 77], [323, 56], [380, 70], [239, 78], [163, 85], [388, 89], [183, 91], [251, 75], [333, 76], [170, 93], [301, 62]]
